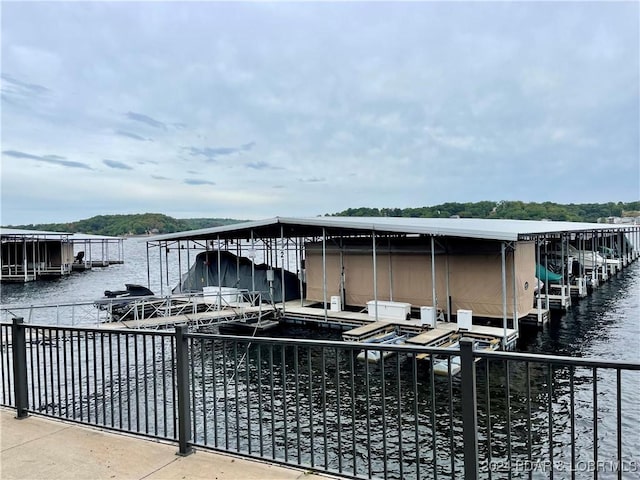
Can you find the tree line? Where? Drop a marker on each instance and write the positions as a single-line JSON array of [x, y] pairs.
[[130, 225], [156, 223], [583, 212]]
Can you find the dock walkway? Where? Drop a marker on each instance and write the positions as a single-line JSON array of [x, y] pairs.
[[42, 448], [235, 312], [345, 318], [365, 326]]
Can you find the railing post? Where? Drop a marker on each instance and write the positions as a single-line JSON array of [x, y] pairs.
[[469, 409], [19, 347], [182, 376]]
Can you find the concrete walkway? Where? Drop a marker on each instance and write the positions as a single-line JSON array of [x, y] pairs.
[[40, 448]]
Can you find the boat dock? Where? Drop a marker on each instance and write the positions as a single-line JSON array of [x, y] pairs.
[[343, 318], [356, 326], [366, 327], [488, 267], [191, 311], [558, 297], [30, 255], [441, 335], [367, 331]]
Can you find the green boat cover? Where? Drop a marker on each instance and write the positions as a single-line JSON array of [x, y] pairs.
[[546, 275]]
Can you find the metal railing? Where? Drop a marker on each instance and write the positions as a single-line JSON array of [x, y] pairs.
[[137, 309], [314, 404], [63, 313]]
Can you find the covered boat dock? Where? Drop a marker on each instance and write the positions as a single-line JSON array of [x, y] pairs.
[[416, 273], [96, 251], [28, 255]]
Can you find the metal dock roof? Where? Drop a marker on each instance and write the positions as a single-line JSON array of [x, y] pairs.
[[21, 232], [490, 229]]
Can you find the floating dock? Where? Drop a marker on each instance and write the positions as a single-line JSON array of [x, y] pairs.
[[256, 316], [356, 326], [368, 330], [30, 255], [365, 327]]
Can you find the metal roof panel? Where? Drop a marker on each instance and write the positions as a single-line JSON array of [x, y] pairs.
[[492, 229]]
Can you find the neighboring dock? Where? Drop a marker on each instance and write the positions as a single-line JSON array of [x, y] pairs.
[[30, 255]]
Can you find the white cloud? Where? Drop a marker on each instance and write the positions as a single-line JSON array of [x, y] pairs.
[[343, 104]]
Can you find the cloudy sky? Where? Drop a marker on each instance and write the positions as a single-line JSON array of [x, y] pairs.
[[252, 110]]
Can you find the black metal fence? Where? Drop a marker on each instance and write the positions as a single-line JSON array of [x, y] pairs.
[[315, 404]]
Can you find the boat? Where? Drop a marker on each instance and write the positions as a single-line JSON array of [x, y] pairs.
[[374, 356], [611, 258], [607, 252], [588, 258], [132, 290], [123, 303]]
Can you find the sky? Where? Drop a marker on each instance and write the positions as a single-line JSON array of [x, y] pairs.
[[254, 110]]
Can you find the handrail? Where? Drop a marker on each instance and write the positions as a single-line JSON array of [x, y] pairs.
[[133, 308], [310, 403]]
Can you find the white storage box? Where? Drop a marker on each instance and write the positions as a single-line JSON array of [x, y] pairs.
[[428, 317], [336, 304], [465, 319], [226, 295], [386, 309]]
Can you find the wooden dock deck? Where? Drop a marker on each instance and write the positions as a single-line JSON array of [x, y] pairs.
[[344, 318], [366, 326], [367, 330], [17, 278], [434, 336]]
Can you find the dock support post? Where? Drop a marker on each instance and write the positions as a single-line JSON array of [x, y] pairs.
[[219, 273], [324, 272], [433, 275], [182, 376], [301, 269], [446, 257], [469, 409], [516, 323], [19, 347], [25, 263], [375, 273], [282, 257], [252, 255], [504, 293]]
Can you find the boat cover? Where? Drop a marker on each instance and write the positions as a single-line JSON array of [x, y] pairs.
[[469, 272], [236, 272], [547, 275]]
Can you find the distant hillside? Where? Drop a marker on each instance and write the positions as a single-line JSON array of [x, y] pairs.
[[156, 223], [125, 225], [585, 212]]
